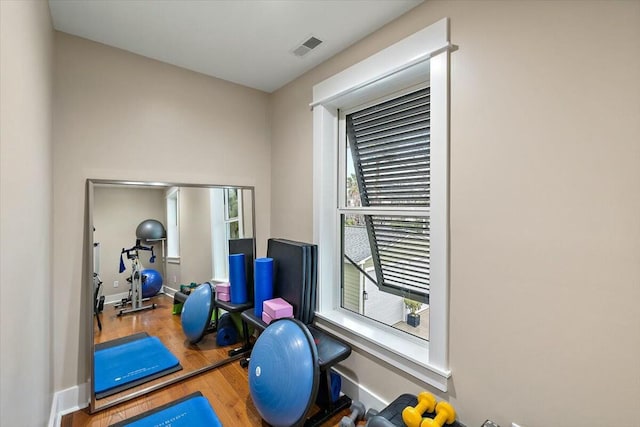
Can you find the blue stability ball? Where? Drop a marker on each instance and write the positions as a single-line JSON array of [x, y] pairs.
[[196, 312], [284, 373], [151, 282], [150, 229]]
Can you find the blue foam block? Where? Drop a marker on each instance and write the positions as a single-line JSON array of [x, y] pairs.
[[192, 412], [129, 362]]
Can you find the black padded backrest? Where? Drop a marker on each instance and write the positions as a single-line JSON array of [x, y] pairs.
[[309, 277], [289, 265], [245, 246]]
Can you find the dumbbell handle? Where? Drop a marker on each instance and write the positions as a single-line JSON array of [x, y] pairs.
[[445, 414], [412, 416]]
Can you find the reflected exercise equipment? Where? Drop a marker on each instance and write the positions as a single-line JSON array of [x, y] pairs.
[[188, 239], [135, 298]]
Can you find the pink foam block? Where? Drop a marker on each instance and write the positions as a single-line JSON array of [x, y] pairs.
[[223, 287], [277, 308], [223, 297], [266, 318]]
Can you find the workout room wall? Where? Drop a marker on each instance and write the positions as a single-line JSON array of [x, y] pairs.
[[26, 70], [195, 236], [121, 116], [116, 214], [545, 201]]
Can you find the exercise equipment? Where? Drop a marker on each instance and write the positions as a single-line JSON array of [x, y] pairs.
[[135, 298], [284, 373], [445, 414], [151, 282], [196, 313], [391, 416], [357, 413], [295, 282], [263, 287], [129, 361], [245, 246], [238, 278], [412, 416], [189, 411], [98, 300], [151, 229], [226, 332]]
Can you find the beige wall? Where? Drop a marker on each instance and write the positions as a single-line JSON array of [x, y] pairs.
[[121, 116], [117, 212], [195, 235], [545, 207], [26, 52]]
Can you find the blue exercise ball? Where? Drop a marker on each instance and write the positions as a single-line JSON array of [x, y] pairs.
[[196, 312], [150, 229], [284, 373], [151, 282]]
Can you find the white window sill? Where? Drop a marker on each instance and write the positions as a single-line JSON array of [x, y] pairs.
[[409, 354], [173, 259]]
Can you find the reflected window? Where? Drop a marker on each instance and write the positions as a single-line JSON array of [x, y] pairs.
[[226, 223], [173, 221]]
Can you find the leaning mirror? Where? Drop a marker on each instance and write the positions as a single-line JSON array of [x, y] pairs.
[[148, 241]]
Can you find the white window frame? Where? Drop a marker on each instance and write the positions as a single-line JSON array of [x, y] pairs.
[[228, 220], [220, 230], [173, 231], [423, 55]]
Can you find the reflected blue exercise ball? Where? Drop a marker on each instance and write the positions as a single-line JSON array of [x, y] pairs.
[[151, 229], [151, 282], [196, 312], [284, 373]]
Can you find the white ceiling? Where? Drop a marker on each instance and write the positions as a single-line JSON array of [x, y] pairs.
[[243, 41]]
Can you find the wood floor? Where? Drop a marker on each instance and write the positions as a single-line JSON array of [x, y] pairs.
[[226, 387]]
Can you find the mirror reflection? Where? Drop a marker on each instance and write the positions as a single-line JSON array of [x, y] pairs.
[[149, 242]]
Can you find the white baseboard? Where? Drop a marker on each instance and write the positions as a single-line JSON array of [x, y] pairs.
[[356, 391], [114, 298], [67, 401], [169, 291]]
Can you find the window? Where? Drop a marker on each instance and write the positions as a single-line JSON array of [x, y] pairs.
[[226, 223], [391, 188], [173, 221], [233, 206], [386, 255]]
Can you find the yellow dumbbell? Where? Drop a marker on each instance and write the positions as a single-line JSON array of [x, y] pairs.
[[411, 416], [445, 414]]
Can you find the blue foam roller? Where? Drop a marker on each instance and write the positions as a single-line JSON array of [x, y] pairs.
[[263, 279], [237, 279], [336, 386]]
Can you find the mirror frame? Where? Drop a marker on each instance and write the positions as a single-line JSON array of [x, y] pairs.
[[88, 284]]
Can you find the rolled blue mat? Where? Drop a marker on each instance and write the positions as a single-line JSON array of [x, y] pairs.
[[263, 280], [227, 332], [237, 279]]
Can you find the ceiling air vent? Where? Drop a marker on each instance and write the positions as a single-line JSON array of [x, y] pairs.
[[307, 46]]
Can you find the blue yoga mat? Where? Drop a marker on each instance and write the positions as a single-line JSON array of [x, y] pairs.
[[137, 358], [190, 411], [263, 290]]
